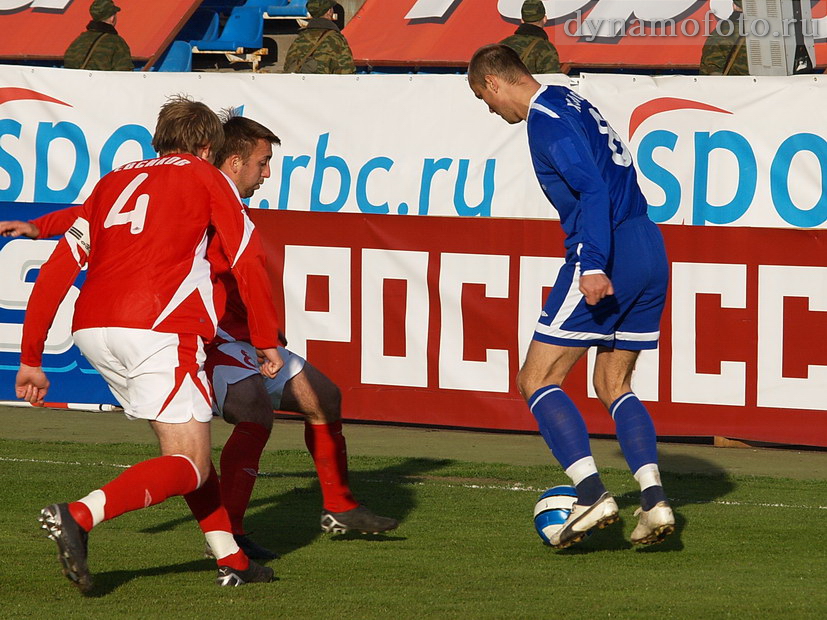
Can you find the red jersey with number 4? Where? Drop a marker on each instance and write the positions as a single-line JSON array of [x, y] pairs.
[[144, 234]]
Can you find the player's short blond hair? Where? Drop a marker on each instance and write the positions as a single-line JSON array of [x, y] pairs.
[[186, 126], [499, 60]]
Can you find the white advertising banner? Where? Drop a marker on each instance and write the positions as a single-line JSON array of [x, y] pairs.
[[410, 145], [726, 151], [742, 151]]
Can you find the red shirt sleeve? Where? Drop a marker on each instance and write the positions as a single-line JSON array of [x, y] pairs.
[[242, 246], [56, 276], [56, 222]]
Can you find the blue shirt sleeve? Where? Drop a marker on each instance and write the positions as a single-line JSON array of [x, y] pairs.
[[567, 151]]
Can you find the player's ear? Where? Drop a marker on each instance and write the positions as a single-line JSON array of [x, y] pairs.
[[492, 83], [205, 152]]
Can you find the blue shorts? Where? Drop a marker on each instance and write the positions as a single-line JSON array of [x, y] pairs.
[[629, 319]]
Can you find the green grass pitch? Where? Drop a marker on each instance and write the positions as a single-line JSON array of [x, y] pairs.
[[745, 547]]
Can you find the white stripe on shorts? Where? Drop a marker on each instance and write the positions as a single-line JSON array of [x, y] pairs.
[[638, 336], [573, 297]]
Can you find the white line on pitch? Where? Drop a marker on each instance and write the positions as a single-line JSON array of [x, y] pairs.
[[490, 487]]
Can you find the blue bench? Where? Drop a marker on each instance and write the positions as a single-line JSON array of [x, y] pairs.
[[241, 39], [177, 58], [202, 26], [282, 9], [244, 30]]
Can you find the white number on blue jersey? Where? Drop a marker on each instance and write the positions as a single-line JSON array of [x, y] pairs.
[[620, 155]]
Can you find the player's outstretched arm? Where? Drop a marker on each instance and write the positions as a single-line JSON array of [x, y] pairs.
[[53, 282], [17, 228], [43, 227], [56, 222], [31, 384]]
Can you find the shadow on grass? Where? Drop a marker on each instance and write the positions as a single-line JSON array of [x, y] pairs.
[[290, 520], [109, 581], [681, 488]]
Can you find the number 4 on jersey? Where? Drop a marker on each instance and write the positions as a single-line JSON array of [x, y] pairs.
[[137, 215]]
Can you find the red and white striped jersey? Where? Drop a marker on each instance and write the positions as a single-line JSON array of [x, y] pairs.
[[144, 233]]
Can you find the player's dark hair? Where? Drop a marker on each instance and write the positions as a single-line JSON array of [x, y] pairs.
[[186, 126], [496, 59], [241, 136]]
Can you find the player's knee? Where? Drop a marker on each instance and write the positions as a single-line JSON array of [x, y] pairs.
[[332, 405], [327, 411], [607, 391], [202, 463], [526, 384], [257, 413], [248, 401]]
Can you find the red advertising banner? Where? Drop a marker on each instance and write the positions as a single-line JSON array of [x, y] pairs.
[[426, 320], [586, 33], [43, 29]]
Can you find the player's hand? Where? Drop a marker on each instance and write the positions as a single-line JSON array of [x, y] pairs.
[[272, 362], [595, 287], [16, 228], [31, 384]]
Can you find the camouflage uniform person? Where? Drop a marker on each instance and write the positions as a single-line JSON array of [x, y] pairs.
[[320, 47], [531, 42], [100, 48], [726, 54]]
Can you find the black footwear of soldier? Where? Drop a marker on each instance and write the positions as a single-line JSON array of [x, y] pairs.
[[72, 543], [359, 519]]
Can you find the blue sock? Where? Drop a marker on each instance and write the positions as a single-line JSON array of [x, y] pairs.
[[635, 431], [589, 490], [561, 424]]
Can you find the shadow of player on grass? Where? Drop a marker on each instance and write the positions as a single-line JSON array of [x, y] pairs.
[[288, 519], [107, 582], [684, 485]]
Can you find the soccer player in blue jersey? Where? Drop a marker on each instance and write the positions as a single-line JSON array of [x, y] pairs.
[[609, 294]]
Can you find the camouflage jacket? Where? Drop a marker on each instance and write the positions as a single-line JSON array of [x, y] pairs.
[[319, 48], [100, 48], [719, 49], [535, 50]]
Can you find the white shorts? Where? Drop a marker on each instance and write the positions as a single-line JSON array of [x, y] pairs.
[[230, 362], [154, 375]]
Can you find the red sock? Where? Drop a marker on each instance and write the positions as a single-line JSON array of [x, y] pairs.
[[205, 505], [327, 447], [144, 484], [239, 468]]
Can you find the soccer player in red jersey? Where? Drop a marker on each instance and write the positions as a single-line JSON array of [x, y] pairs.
[[243, 396], [141, 319], [246, 399]]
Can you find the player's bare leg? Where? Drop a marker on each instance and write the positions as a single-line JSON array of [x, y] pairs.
[[636, 435], [193, 440], [183, 468], [315, 396], [565, 433], [247, 407]]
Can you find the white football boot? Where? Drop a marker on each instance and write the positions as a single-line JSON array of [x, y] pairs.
[[583, 519], [654, 524]]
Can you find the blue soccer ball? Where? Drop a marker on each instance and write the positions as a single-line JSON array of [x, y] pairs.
[[552, 510]]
